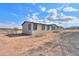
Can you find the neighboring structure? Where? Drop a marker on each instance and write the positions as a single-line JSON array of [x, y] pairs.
[[37, 28]]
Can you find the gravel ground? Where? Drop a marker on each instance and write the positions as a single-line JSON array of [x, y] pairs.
[[51, 44], [67, 45], [70, 43]]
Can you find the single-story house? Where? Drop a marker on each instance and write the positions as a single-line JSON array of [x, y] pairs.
[[36, 28]]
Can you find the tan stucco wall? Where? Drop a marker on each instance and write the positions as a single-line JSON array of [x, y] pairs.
[[40, 31], [25, 29], [35, 32]]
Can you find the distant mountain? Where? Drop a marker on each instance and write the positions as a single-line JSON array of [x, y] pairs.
[[7, 29], [73, 27]]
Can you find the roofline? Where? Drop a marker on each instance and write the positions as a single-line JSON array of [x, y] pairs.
[[37, 23], [26, 21]]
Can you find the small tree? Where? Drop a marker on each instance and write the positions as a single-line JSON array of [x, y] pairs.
[[15, 30]]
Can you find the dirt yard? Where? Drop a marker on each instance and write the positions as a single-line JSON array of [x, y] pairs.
[[28, 45], [49, 44]]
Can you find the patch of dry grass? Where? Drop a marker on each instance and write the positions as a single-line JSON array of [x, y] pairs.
[[24, 45]]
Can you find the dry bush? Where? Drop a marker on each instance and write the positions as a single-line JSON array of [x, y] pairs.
[[38, 35]]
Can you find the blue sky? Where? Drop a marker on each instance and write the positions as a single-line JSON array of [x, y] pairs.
[[13, 15]]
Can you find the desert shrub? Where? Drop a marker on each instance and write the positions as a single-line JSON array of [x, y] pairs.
[[38, 35], [15, 29]]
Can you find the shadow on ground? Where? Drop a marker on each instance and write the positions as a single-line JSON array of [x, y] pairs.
[[55, 31], [17, 35]]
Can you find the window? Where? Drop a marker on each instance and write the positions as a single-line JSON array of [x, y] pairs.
[[43, 27], [53, 27], [34, 26], [29, 26], [48, 27]]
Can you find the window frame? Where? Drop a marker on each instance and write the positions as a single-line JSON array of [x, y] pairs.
[[53, 27], [48, 27], [29, 26], [34, 24], [43, 26]]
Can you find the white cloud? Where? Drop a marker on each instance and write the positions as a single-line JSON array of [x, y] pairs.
[[70, 9], [42, 8], [74, 21], [54, 17], [59, 18], [28, 15], [7, 25], [34, 14], [33, 17], [20, 27], [30, 10], [52, 14], [54, 11], [14, 14], [33, 3], [63, 5]]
